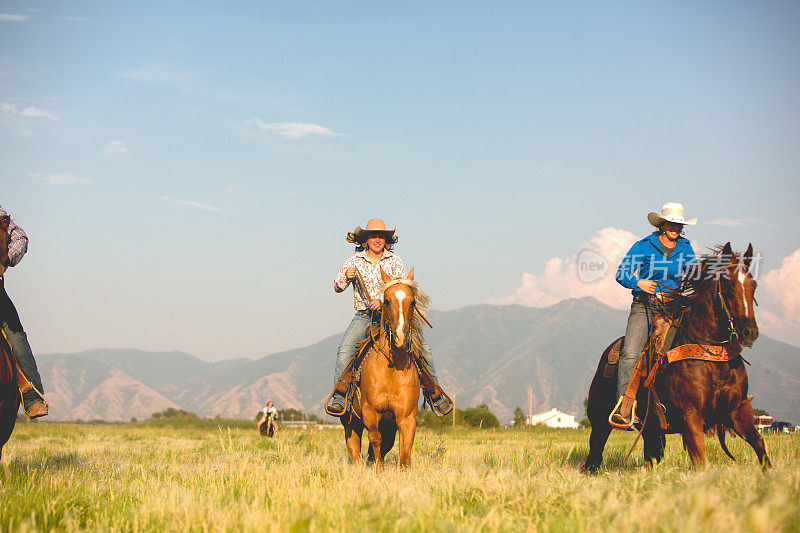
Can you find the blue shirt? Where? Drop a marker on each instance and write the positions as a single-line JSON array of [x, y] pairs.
[[646, 260]]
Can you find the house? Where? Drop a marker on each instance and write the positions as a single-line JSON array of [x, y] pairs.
[[554, 419]]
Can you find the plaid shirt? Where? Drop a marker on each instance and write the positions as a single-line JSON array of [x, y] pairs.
[[19, 241], [371, 274]]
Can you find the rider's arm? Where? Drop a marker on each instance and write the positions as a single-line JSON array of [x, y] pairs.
[[340, 282], [18, 244], [627, 271]]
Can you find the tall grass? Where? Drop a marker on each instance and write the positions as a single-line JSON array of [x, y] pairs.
[[198, 478]]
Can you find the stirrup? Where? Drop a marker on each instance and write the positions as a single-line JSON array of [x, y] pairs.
[[43, 401], [617, 425]]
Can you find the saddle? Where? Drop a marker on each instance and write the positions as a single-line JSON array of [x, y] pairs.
[[350, 379]]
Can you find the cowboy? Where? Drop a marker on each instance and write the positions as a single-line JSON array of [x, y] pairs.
[[33, 403], [653, 265], [270, 415], [373, 253]]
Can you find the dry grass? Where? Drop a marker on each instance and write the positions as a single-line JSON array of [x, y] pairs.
[[138, 477]]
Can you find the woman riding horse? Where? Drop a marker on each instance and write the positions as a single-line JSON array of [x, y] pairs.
[[373, 254], [653, 265], [33, 402]]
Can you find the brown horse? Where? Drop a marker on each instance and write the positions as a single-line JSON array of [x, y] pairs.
[[9, 393], [717, 299], [387, 398]]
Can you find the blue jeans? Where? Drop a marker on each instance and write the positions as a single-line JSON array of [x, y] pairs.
[[24, 355], [354, 334], [635, 338]]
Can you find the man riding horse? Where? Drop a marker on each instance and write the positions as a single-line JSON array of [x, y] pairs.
[[33, 402], [653, 265], [373, 246]]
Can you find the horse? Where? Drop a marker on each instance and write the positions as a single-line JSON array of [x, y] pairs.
[[386, 400], [9, 392], [717, 299]]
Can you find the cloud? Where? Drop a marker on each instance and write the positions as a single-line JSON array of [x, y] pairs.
[[739, 222], [230, 189], [29, 112], [13, 17], [294, 130], [779, 315], [27, 133], [191, 203], [158, 75], [66, 178], [75, 19], [589, 272], [117, 149]]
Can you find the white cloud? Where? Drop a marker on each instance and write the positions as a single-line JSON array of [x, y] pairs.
[[779, 315], [27, 133], [561, 278], [75, 19], [294, 130], [191, 203], [230, 189], [29, 112], [117, 149], [13, 17], [66, 178], [739, 222]]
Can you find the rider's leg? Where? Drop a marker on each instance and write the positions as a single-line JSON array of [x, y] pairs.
[[635, 338], [427, 359], [33, 402], [347, 348]]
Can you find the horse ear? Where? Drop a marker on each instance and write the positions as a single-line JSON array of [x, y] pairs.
[[727, 250], [385, 277], [410, 274]]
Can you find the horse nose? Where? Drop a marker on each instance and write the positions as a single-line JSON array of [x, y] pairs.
[[399, 340], [750, 334]]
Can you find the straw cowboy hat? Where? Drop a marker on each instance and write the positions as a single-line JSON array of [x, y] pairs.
[[670, 212], [373, 226]]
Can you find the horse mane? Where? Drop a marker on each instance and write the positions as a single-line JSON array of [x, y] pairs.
[[421, 303], [697, 281]]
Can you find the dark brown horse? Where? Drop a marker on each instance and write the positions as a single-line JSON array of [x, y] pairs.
[[388, 397], [9, 393], [717, 299]]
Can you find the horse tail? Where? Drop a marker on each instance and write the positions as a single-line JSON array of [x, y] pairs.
[[721, 430]]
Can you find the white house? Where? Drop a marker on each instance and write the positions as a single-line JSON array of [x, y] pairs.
[[554, 418]]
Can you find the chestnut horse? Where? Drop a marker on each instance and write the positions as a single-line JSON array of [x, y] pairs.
[[9, 393], [717, 296], [387, 398]]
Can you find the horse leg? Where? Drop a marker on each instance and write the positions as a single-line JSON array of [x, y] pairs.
[[601, 402], [694, 437], [407, 427], [388, 429], [744, 426], [352, 439], [371, 422]]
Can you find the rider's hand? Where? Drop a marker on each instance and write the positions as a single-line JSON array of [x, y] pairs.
[[350, 273], [2, 269], [647, 285], [375, 305]]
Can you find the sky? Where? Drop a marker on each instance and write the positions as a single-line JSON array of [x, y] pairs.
[[187, 172]]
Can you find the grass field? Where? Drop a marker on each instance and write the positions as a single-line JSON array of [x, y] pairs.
[[205, 477]]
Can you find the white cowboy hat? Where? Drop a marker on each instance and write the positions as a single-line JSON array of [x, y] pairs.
[[374, 225], [670, 212]]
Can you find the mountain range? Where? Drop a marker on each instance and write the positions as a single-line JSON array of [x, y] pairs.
[[484, 355]]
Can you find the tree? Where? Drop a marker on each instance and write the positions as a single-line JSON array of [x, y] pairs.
[[760, 412], [519, 417]]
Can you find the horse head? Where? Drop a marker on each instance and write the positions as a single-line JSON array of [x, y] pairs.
[[737, 292], [399, 300]]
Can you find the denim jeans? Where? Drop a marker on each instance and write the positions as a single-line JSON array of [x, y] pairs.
[[635, 338], [355, 333], [22, 352]]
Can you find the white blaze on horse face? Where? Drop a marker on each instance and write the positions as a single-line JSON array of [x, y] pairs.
[[741, 277], [401, 295]]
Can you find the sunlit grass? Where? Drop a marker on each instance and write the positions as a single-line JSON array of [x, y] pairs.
[[134, 477]]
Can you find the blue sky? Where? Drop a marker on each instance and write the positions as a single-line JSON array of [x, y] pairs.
[[187, 171]]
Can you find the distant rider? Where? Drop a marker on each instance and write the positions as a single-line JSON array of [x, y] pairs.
[[653, 265], [373, 253], [33, 403], [269, 415]]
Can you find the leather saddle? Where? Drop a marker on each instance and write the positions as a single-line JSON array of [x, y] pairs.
[[351, 375]]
